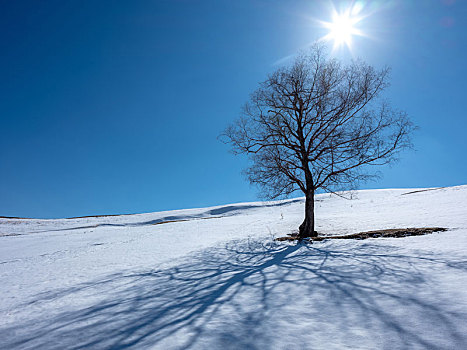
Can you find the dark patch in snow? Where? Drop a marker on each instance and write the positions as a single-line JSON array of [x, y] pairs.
[[388, 233], [425, 190]]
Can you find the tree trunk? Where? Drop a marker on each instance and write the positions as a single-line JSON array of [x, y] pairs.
[[307, 228]]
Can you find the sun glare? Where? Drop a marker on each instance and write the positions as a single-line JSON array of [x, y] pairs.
[[342, 28]]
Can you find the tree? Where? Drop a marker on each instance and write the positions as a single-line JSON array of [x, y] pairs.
[[318, 124]]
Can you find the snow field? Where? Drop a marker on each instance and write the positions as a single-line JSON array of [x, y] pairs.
[[213, 278]]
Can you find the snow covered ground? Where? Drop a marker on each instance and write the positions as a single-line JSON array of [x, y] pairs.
[[213, 278]]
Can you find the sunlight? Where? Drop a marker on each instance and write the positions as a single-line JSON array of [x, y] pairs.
[[342, 27]]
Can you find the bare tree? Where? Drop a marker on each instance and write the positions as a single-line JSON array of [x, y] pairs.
[[318, 124]]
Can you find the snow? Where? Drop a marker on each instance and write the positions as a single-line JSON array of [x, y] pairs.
[[213, 278]]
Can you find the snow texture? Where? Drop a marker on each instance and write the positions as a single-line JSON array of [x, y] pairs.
[[213, 278]]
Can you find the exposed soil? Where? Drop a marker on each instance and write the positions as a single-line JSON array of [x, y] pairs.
[[388, 233]]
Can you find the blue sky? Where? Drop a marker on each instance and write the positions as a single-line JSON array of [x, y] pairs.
[[115, 106]]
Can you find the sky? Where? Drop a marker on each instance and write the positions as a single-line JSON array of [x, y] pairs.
[[112, 107]]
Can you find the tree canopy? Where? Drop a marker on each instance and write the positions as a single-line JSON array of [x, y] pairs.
[[318, 124]]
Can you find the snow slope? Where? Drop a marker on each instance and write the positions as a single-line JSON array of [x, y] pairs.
[[213, 278]]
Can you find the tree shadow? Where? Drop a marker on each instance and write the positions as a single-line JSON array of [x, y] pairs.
[[249, 294]]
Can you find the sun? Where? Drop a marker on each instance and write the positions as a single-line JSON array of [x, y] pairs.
[[342, 28]]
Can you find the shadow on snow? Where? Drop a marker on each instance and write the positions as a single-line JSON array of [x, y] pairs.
[[247, 295], [228, 210]]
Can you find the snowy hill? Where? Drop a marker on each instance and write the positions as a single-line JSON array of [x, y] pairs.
[[213, 278]]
